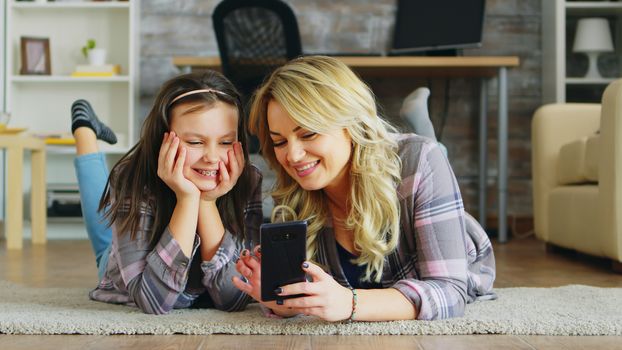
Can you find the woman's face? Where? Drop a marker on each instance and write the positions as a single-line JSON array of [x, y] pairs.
[[315, 161], [207, 133]]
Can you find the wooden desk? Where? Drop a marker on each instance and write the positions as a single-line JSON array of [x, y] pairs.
[[15, 146], [484, 67]]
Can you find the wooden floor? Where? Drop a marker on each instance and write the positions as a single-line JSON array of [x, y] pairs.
[[521, 262]]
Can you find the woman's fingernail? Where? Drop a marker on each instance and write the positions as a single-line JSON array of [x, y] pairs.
[[279, 290], [279, 302], [305, 265]]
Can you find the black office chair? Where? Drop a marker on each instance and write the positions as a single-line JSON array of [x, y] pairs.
[[254, 37]]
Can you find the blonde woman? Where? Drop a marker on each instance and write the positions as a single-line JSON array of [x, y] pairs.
[[388, 238]]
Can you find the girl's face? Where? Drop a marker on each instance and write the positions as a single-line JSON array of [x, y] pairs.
[[207, 133], [315, 161]]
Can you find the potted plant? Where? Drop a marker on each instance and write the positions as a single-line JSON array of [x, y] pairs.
[[96, 56]]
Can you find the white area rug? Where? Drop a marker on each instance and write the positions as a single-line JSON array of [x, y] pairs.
[[569, 310]]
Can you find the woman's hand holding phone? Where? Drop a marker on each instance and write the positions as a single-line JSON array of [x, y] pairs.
[[228, 177], [325, 298], [170, 167], [249, 266]]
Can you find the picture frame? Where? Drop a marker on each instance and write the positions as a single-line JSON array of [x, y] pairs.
[[35, 56]]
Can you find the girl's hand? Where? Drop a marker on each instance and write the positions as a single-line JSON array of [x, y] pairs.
[[228, 177], [250, 267], [170, 167], [325, 298]]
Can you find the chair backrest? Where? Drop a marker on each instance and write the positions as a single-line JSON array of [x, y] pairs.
[[254, 37]]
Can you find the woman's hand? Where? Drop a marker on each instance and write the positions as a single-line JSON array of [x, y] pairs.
[[170, 167], [325, 298], [249, 266], [228, 177]]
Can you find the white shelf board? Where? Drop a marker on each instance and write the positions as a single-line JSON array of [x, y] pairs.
[[65, 220], [585, 81], [60, 229], [71, 5], [71, 149], [67, 79]]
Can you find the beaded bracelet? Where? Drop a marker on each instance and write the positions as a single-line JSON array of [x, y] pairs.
[[354, 303]]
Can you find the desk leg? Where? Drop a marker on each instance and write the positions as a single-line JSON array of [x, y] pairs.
[[483, 150], [503, 154], [37, 197], [15, 205]]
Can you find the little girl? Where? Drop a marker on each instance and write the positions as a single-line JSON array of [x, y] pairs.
[[168, 224]]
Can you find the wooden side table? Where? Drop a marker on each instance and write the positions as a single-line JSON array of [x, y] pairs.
[[16, 145]]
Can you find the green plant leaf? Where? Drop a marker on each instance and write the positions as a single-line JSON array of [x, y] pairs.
[[90, 44]]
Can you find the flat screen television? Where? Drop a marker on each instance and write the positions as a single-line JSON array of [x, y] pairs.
[[430, 25]]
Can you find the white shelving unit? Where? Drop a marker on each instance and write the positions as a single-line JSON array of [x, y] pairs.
[[558, 25], [42, 102]]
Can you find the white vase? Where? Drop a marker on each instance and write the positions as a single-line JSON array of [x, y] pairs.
[[97, 57]]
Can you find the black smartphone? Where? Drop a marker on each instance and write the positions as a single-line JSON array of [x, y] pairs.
[[283, 250]]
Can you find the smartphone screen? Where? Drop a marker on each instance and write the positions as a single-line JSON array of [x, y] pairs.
[[283, 250]]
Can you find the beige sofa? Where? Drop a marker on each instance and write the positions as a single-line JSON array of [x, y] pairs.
[[577, 175]]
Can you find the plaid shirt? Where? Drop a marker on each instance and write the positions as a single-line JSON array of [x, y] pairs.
[[160, 279], [444, 258], [443, 261]]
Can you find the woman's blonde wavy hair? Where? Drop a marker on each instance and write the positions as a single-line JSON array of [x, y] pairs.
[[321, 94]]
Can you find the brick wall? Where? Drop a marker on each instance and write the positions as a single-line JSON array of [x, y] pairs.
[[512, 27]]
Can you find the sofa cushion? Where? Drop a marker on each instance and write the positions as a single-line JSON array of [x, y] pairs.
[[592, 150], [578, 161], [571, 163]]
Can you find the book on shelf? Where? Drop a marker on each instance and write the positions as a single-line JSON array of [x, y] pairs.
[[63, 139], [60, 141], [93, 74], [89, 70]]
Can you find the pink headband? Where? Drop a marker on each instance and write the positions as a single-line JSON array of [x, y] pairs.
[[197, 92]]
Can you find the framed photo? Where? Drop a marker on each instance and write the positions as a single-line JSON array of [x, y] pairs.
[[35, 56]]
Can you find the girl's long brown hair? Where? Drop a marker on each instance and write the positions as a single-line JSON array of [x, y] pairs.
[[134, 186]]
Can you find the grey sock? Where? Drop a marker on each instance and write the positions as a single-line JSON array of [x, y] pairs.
[[82, 114], [415, 112]]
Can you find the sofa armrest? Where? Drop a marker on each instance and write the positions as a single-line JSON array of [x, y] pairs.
[[553, 126], [610, 169]]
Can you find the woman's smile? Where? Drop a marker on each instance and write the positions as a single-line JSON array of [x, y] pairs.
[[305, 169]]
